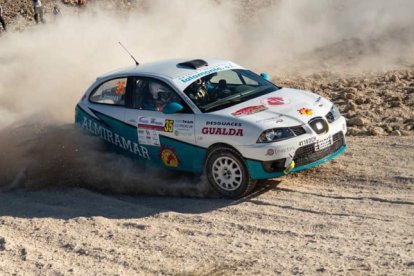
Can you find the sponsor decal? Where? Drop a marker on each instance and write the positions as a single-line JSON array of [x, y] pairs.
[[169, 157], [143, 120], [233, 124], [222, 131], [152, 126], [114, 138], [202, 73], [277, 151], [249, 110], [148, 129], [184, 125], [307, 141], [305, 111], [274, 101], [182, 133], [148, 137]]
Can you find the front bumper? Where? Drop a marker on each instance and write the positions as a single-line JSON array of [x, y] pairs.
[[306, 151], [257, 171]]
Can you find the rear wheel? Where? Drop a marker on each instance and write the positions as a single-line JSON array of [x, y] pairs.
[[227, 173]]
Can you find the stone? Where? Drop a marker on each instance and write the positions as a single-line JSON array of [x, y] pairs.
[[358, 121], [396, 104], [360, 101], [377, 131], [409, 127], [352, 106], [320, 269], [2, 244], [395, 78], [406, 133]]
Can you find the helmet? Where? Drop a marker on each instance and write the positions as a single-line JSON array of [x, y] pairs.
[[159, 92]]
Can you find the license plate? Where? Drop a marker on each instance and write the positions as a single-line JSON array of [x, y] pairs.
[[324, 143]]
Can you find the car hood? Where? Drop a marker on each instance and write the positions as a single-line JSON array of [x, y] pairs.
[[284, 107]]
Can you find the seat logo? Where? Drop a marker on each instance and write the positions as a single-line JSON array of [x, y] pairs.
[[319, 125]]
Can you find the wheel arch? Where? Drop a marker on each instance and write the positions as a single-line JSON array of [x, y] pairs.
[[215, 146]]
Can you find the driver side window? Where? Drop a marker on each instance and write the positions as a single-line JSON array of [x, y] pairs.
[[153, 95]]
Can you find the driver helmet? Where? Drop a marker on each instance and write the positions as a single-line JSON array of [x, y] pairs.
[[159, 92]]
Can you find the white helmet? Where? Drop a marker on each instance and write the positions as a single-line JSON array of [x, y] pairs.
[[159, 91]]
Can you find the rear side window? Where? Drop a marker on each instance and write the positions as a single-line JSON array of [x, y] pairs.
[[111, 92]]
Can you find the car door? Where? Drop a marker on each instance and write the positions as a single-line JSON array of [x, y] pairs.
[[169, 138]]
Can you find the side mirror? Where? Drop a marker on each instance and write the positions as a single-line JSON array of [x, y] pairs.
[[265, 76], [172, 108]]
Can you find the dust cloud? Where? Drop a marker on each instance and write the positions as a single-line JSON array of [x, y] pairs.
[[45, 69], [38, 154]]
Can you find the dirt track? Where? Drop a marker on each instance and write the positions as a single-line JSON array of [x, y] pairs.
[[351, 216]]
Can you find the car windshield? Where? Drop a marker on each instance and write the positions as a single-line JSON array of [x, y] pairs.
[[227, 88]]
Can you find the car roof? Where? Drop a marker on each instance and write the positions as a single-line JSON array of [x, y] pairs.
[[173, 69]]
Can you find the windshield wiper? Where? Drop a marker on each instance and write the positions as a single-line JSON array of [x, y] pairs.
[[225, 102]]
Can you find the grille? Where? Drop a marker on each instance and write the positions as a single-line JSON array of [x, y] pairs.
[[307, 154], [330, 117], [298, 130]]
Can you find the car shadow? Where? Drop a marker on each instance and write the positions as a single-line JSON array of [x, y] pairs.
[[69, 203]]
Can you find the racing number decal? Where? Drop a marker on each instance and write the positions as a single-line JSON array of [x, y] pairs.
[[169, 126], [120, 89]]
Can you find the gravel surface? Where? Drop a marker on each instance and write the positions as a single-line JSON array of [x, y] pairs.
[[350, 216]]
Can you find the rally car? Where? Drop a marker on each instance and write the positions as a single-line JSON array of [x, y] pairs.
[[214, 117]]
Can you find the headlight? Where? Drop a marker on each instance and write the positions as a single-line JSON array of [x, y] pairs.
[[275, 134], [333, 114]]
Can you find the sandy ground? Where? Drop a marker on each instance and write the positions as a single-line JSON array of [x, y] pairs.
[[352, 216]]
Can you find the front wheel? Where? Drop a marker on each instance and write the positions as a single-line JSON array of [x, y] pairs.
[[227, 173]]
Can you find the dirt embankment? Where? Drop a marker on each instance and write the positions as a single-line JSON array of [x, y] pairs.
[[377, 104]]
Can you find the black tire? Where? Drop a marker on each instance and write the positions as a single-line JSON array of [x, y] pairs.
[[227, 173]]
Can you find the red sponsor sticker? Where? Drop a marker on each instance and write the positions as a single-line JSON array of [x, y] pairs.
[[249, 110], [151, 127], [274, 101]]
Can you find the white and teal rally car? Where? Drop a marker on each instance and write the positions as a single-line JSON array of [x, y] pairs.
[[214, 117]]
